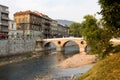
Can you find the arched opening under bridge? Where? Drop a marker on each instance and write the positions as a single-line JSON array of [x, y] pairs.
[[71, 47], [50, 48]]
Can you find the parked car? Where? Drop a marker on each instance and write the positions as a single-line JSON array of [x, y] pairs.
[[3, 36]]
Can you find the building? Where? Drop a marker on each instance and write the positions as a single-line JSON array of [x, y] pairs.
[[12, 29], [59, 30], [4, 18], [54, 29], [28, 24], [32, 24], [46, 26], [63, 30]]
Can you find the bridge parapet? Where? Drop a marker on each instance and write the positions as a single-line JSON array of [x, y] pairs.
[[65, 38]]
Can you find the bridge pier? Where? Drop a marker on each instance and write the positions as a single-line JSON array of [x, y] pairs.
[[39, 45], [60, 49], [82, 49]]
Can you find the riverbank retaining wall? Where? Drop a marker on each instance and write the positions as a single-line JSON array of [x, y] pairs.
[[11, 47]]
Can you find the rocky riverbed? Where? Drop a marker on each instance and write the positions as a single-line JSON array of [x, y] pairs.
[[78, 60]]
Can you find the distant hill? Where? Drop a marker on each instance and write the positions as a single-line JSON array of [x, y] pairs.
[[64, 22]]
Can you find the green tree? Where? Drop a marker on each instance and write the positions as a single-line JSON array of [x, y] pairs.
[[110, 11], [96, 37], [75, 29]]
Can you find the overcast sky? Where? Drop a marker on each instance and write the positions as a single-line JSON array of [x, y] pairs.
[[56, 9]]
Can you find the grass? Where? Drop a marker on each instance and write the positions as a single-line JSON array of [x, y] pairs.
[[28, 56], [106, 69]]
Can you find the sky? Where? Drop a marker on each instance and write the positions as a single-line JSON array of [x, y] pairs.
[[73, 10]]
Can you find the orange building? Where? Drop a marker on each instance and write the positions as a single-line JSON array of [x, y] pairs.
[[32, 24]]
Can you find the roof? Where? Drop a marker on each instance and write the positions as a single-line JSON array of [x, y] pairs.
[[32, 12], [26, 12], [3, 6]]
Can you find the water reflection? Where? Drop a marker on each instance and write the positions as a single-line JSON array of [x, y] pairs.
[[39, 68], [70, 48]]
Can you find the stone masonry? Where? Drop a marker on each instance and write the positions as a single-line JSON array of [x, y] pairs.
[[8, 47]]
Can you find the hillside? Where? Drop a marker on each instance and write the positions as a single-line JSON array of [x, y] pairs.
[[65, 22], [107, 69]]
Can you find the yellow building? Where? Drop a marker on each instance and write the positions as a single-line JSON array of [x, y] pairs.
[[32, 24]]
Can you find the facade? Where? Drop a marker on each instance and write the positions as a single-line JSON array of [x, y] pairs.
[[12, 29], [46, 27], [54, 29], [63, 30], [36, 25], [4, 18], [59, 30], [28, 24], [32, 24]]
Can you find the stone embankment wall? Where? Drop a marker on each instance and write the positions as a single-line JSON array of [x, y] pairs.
[[11, 47]]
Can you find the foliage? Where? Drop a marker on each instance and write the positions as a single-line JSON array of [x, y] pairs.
[[28, 55], [107, 69], [96, 38], [110, 11], [75, 29]]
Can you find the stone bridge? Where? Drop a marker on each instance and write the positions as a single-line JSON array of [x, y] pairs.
[[61, 42]]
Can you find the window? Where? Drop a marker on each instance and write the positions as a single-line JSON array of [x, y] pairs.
[[19, 20], [12, 26]]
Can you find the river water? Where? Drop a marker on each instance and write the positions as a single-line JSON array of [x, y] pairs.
[[42, 68]]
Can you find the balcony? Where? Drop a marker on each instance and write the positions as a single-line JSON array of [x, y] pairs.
[[4, 24], [7, 12], [5, 17], [4, 29]]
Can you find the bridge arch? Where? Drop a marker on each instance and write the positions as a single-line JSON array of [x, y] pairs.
[[79, 43], [49, 47], [48, 43], [71, 47], [69, 41], [61, 42]]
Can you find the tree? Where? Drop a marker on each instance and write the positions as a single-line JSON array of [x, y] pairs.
[[110, 11], [75, 29], [97, 38]]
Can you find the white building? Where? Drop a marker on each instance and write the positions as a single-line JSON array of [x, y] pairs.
[[4, 18], [12, 29]]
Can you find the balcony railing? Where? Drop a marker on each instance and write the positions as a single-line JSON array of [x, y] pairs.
[[4, 24], [4, 29], [5, 17], [7, 12]]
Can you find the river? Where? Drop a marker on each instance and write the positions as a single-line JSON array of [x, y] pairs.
[[42, 68]]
